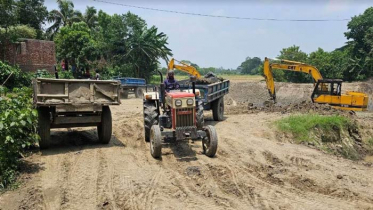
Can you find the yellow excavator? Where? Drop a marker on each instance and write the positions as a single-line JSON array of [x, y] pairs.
[[326, 91], [183, 67]]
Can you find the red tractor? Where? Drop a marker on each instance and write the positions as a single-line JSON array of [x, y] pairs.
[[180, 112]]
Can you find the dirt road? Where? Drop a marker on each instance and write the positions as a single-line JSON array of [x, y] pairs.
[[255, 168]]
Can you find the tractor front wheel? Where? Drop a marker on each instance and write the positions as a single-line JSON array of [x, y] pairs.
[[156, 141], [210, 141]]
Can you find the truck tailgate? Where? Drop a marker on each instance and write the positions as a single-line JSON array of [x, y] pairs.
[[75, 92]]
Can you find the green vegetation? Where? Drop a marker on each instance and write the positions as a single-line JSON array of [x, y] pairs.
[[328, 133], [302, 126], [18, 122], [13, 76]]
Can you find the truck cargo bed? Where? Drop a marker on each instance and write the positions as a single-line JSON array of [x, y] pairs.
[[49, 92]]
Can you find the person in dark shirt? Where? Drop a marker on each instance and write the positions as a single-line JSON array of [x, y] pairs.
[[171, 83]]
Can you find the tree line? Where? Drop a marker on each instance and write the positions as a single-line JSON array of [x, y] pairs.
[[351, 62]]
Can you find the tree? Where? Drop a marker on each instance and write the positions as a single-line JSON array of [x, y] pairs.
[[293, 53], [65, 16], [32, 13], [360, 46], [144, 50], [8, 18], [250, 65], [90, 17], [75, 44], [332, 65]]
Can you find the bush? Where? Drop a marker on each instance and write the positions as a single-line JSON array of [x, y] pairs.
[[16, 77], [18, 122], [302, 125], [42, 73]]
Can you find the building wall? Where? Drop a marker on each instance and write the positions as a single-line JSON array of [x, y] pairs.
[[31, 55]]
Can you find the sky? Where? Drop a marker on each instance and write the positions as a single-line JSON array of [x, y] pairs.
[[222, 42]]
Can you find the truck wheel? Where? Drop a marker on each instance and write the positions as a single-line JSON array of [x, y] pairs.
[[125, 93], [44, 127], [150, 117], [218, 109], [210, 142], [200, 117], [156, 141], [138, 92], [104, 129]]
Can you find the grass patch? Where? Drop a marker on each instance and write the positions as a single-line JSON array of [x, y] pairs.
[[301, 126]]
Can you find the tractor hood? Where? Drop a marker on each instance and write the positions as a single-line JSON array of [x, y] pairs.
[[180, 94]]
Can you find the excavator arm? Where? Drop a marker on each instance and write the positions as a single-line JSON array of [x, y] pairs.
[[289, 66], [183, 67]]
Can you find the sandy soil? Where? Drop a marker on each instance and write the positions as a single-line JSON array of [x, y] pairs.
[[255, 168]]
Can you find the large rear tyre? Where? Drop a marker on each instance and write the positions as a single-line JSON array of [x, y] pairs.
[[218, 109], [44, 127], [210, 142], [200, 117], [104, 129], [139, 92], [155, 141], [150, 117]]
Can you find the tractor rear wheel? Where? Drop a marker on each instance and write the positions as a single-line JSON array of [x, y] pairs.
[[210, 142], [44, 127], [218, 109], [155, 141], [200, 117], [104, 130], [150, 117]]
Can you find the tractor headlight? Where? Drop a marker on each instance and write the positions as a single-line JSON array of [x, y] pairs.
[[190, 101], [178, 102]]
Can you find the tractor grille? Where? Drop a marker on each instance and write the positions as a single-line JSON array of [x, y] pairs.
[[184, 117]]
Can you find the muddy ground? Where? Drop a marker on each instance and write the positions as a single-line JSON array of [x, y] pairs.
[[253, 168]]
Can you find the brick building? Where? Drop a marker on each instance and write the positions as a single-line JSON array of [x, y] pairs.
[[31, 55]]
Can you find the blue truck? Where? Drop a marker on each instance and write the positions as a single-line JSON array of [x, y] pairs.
[[132, 85], [212, 96]]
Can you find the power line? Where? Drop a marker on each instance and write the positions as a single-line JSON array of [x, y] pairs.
[[222, 16]]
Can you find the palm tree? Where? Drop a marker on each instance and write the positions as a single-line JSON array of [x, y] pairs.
[[90, 17], [65, 16], [145, 47]]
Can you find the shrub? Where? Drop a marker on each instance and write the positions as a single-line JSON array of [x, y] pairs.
[[18, 122], [14, 77], [43, 74]]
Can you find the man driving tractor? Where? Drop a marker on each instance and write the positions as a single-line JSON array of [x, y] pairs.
[[171, 83]]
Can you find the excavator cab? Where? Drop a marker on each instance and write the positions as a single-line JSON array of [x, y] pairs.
[[331, 87]]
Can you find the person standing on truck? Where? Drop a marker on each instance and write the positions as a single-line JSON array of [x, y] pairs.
[[171, 83]]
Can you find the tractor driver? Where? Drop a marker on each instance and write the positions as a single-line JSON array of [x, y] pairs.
[[171, 83]]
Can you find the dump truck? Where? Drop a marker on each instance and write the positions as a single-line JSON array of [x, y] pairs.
[[66, 103], [132, 85]]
